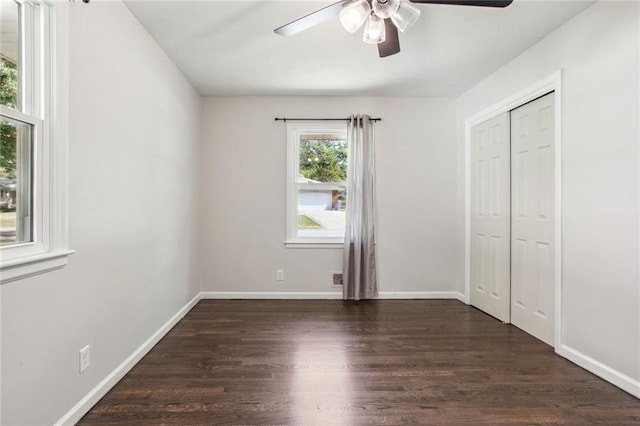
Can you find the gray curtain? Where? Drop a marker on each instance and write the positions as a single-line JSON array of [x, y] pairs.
[[359, 264]]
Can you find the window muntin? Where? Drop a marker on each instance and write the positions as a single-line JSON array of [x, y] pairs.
[[317, 182]]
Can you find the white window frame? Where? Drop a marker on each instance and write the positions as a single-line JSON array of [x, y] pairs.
[[294, 132], [44, 106]]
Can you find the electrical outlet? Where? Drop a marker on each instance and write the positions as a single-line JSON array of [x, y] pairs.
[[280, 275], [84, 358]]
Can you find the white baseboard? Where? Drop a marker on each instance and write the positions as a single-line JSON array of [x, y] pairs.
[[607, 373], [90, 399], [420, 295], [328, 295], [270, 295]]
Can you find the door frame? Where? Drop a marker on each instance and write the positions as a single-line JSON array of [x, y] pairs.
[[552, 83]]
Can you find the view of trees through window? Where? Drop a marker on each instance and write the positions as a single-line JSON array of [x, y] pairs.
[[8, 97], [324, 160], [322, 185], [10, 132]]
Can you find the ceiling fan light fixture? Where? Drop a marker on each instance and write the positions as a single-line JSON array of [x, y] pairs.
[[385, 8], [405, 16], [374, 31], [353, 16]]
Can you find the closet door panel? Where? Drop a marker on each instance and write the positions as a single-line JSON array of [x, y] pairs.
[[490, 217], [532, 219]]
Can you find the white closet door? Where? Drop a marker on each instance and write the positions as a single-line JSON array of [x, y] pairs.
[[490, 218], [532, 218]]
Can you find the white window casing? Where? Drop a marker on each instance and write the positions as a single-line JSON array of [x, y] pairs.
[[295, 130], [44, 107]]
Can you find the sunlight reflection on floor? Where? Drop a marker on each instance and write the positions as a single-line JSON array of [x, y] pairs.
[[321, 383]]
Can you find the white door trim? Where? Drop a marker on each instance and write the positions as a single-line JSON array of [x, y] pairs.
[[552, 83]]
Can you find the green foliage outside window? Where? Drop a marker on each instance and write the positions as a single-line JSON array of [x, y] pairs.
[[323, 160], [8, 97], [8, 83]]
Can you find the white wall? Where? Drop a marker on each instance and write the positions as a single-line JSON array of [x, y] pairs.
[[598, 52], [133, 203], [243, 186]]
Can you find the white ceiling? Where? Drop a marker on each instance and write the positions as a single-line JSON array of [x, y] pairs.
[[229, 47]]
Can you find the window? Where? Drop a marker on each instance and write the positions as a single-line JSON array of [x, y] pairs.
[[316, 184], [16, 211], [32, 138]]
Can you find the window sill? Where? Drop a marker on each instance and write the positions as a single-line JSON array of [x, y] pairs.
[[34, 265], [314, 244]]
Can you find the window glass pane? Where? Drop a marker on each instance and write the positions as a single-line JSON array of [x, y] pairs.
[[9, 53], [322, 183], [16, 148]]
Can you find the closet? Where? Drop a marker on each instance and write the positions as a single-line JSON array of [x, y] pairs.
[[512, 246]]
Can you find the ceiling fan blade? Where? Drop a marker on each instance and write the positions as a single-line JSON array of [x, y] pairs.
[[312, 19], [484, 3], [391, 44]]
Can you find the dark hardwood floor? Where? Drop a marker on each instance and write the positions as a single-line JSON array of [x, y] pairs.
[[377, 362]]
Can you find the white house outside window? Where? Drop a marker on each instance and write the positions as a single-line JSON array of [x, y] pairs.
[[316, 184], [33, 157]]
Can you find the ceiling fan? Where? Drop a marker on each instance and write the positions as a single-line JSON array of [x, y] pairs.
[[382, 18]]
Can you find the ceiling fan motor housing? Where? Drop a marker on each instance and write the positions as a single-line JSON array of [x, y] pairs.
[[385, 8]]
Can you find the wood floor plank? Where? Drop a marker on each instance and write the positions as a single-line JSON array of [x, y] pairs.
[[341, 363]]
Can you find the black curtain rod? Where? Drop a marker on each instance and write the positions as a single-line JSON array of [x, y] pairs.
[[320, 119]]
